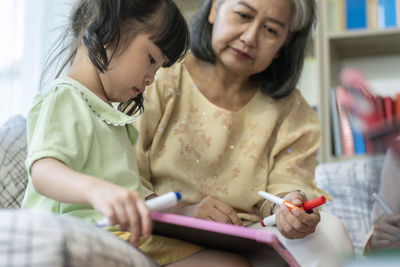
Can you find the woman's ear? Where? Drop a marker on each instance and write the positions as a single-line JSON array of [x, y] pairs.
[[213, 12]]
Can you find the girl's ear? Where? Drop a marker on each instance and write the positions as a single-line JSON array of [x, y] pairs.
[[213, 11]]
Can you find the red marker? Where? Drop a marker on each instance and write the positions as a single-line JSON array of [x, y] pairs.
[[307, 205]]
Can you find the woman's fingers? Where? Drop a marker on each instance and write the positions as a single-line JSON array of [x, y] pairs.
[[216, 210], [228, 212], [296, 223]]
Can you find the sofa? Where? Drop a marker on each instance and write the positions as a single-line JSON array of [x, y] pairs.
[[350, 183]]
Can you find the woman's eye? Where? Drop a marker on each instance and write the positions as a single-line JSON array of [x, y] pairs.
[[152, 60], [243, 15], [270, 30]]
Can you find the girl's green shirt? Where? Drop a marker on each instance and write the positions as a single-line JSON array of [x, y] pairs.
[[73, 125]]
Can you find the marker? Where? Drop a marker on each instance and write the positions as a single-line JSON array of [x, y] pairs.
[[162, 202], [277, 200], [307, 205], [383, 204]]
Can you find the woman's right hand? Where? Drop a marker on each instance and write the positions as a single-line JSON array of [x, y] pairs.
[[213, 209], [386, 231], [122, 206]]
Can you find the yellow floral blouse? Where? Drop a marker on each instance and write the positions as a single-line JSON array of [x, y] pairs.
[[190, 145]]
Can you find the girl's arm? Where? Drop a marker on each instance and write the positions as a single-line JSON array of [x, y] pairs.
[[57, 181]]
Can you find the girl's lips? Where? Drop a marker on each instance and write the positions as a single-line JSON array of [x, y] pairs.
[[136, 91], [241, 53]]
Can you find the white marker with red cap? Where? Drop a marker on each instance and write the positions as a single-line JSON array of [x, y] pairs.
[[307, 205]]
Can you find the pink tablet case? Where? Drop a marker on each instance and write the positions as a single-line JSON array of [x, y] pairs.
[[217, 235]]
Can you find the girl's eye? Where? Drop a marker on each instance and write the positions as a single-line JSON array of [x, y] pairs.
[[152, 60]]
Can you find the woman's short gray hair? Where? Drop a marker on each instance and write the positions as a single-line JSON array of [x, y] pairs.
[[301, 15]]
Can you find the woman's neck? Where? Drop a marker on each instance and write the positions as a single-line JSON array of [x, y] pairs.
[[221, 87]]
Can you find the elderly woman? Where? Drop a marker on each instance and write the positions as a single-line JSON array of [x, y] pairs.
[[228, 121]]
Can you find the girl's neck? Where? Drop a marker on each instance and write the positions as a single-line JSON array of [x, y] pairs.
[[83, 71]]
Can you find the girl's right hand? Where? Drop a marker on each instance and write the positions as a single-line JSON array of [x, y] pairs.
[[122, 206]]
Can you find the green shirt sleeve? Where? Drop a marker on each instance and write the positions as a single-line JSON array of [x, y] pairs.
[[58, 124]]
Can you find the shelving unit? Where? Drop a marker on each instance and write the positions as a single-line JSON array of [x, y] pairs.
[[369, 50]]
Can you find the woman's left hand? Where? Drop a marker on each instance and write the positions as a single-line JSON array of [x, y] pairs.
[[296, 223]]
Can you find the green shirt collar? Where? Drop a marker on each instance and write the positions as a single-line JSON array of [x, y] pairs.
[[104, 111]]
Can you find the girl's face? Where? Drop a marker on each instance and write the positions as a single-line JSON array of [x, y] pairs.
[[131, 70], [248, 34]]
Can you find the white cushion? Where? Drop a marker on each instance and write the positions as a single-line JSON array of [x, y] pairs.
[[38, 238]]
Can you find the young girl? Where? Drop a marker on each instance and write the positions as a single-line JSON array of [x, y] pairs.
[[80, 149]]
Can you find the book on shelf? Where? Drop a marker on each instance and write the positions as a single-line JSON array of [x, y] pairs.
[[387, 17], [337, 140], [396, 109], [346, 133], [388, 109], [356, 14], [359, 141], [336, 15], [398, 13], [372, 11], [349, 137], [363, 14]]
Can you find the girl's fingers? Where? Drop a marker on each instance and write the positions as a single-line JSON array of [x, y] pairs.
[[145, 218], [121, 216]]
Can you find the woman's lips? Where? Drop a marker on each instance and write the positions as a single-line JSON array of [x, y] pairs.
[[242, 53]]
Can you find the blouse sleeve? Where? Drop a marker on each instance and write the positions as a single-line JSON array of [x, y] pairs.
[[293, 157]]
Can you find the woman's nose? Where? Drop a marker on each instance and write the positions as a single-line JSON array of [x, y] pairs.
[[250, 35]]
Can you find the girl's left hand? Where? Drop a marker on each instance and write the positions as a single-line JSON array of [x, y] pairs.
[[296, 223]]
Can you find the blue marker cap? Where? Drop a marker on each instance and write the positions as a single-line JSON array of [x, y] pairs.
[[178, 195]]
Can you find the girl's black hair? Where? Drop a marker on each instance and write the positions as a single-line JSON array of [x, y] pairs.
[[99, 23], [281, 77]]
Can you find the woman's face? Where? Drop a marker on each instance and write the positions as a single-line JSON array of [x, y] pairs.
[[248, 34]]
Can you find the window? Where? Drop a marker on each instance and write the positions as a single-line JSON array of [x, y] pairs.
[[27, 29]]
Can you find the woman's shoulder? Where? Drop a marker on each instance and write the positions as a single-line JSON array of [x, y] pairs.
[[296, 108], [294, 100], [170, 73]]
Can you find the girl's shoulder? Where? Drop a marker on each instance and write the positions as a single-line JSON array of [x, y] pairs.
[[59, 88]]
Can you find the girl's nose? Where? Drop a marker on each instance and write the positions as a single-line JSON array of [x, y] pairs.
[[149, 78]]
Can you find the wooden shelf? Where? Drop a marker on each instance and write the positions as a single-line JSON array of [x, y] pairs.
[[365, 43]]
